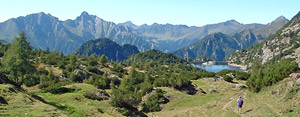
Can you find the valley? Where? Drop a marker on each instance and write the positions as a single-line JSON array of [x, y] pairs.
[[87, 66]]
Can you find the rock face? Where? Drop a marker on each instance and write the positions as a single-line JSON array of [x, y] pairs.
[[282, 45]]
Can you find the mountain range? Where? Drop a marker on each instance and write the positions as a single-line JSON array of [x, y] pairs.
[[44, 30], [169, 38], [219, 46]]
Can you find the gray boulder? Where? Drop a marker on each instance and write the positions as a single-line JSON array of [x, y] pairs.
[[298, 82]]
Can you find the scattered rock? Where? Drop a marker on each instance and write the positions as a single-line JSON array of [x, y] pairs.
[[297, 104], [294, 76], [291, 83], [230, 75], [298, 82], [273, 92], [201, 91], [240, 86], [212, 91], [214, 86]]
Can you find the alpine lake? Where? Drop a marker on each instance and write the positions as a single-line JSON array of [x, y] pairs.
[[216, 66]]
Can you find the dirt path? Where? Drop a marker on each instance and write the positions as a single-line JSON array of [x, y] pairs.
[[225, 106]]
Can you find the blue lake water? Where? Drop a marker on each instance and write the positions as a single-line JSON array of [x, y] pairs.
[[217, 68]]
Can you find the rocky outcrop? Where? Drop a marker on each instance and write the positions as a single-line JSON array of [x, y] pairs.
[[282, 45]]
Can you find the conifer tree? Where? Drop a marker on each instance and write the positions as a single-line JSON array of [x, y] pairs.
[[16, 59]]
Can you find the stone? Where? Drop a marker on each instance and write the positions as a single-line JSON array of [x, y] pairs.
[[240, 86], [290, 83], [294, 76], [212, 91], [298, 82], [201, 91]]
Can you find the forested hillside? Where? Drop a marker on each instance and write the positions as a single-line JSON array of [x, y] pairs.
[[108, 48]]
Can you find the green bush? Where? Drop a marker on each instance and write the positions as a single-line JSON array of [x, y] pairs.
[[227, 78], [152, 103], [93, 95], [59, 90], [31, 81], [270, 74], [242, 75]]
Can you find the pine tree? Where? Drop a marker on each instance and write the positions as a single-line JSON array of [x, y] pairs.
[[16, 59], [103, 59]]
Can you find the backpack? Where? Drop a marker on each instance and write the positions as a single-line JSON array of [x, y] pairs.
[[240, 102]]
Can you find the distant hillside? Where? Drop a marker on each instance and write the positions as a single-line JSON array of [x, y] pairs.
[[108, 48], [282, 45], [156, 56], [219, 46]]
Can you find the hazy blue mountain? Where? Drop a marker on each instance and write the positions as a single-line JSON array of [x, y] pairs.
[[129, 24], [108, 48], [168, 37]]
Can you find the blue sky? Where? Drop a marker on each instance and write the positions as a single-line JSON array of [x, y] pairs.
[[189, 12]]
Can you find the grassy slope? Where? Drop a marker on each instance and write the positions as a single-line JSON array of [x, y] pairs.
[[21, 104], [47, 104], [224, 102]]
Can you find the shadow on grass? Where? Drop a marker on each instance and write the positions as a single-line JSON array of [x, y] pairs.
[[2, 100], [49, 103], [248, 110]]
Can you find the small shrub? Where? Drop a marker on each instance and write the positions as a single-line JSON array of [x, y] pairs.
[[152, 103], [60, 90], [94, 95], [227, 78], [31, 81]]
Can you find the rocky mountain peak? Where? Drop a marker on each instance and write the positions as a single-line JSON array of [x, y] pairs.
[[280, 19], [232, 22], [84, 13]]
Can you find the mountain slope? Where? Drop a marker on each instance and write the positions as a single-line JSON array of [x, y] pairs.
[[284, 44], [108, 48], [272, 27], [218, 45], [44, 30]]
